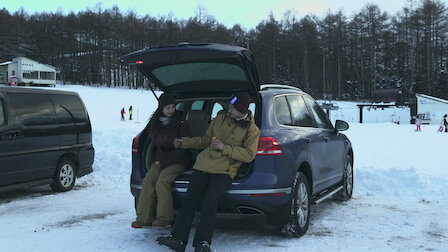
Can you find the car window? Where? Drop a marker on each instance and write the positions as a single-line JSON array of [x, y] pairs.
[[33, 109], [216, 108], [252, 108], [68, 108], [300, 114], [282, 110], [2, 113], [197, 105], [199, 72], [319, 115]]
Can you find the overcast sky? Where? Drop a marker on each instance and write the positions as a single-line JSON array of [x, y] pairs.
[[248, 13]]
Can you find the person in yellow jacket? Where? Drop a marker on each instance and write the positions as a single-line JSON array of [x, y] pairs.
[[230, 140]]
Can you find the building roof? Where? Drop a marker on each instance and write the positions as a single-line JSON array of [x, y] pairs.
[[6, 63], [432, 98]]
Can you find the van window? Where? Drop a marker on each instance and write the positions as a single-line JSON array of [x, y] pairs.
[[2, 113], [282, 111], [33, 109], [300, 114], [68, 108]]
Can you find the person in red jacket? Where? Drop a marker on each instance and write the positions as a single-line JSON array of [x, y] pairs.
[[166, 124], [122, 114]]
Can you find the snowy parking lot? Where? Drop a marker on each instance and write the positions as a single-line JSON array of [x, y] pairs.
[[399, 202]]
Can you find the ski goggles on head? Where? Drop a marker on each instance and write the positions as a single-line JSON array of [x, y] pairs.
[[233, 99]]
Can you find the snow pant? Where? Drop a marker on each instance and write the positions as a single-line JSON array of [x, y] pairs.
[[418, 128], [203, 193], [157, 184], [130, 116]]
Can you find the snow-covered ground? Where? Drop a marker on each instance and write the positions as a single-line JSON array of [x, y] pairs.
[[399, 201]]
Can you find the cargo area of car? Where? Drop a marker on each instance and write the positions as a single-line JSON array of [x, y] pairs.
[[199, 113]]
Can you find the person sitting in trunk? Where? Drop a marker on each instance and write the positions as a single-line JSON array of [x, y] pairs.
[[230, 140], [166, 124]]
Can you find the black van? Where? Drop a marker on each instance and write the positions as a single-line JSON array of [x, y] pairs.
[[45, 138]]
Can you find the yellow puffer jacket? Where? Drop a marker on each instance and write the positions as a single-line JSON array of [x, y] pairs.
[[240, 145]]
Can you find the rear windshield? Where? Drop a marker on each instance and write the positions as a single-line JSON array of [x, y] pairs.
[[194, 72]]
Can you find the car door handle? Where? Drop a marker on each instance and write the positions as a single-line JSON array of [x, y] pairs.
[[307, 140], [326, 139]]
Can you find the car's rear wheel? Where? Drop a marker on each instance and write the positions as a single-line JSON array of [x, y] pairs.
[[347, 189], [300, 207], [65, 176]]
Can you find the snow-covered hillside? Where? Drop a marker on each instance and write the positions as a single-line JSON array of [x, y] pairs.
[[399, 201]]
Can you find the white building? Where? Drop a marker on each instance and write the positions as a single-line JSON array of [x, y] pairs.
[[431, 109], [27, 72]]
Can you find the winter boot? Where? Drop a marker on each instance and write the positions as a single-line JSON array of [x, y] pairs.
[[139, 224], [203, 246], [172, 243], [159, 223]]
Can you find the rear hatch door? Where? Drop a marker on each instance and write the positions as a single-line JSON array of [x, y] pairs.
[[191, 70]]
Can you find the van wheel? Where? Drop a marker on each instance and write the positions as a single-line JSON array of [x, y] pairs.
[[65, 177], [347, 189], [300, 207]]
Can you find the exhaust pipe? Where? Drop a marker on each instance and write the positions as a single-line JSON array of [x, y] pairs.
[[246, 210]]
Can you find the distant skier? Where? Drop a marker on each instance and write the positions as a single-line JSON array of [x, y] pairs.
[[130, 113], [122, 114], [445, 123], [418, 123], [441, 128]]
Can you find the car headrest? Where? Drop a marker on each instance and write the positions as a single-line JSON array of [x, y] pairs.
[[196, 115]]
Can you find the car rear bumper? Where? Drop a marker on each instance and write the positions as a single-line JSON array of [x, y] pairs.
[[256, 201]]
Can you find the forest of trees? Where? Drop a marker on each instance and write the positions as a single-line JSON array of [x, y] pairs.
[[347, 57]]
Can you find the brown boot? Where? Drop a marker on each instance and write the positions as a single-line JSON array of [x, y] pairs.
[[159, 223], [139, 224]]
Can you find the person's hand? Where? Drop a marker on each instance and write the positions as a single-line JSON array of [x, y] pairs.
[[177, 143], [217, 144]]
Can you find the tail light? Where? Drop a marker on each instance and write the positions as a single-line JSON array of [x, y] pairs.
[[135, 144], [268, 146]]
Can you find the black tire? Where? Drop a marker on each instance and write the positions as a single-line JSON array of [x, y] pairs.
[[347, 189], [299, 219], [65, 176]]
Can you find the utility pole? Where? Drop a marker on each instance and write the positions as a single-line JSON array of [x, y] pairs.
[[323, 70]]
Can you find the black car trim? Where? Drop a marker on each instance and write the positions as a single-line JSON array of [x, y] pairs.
[[44, 150], [29, 152], [75, 146]]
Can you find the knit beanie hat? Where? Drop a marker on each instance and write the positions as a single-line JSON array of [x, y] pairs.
[[240, 101], [166, 99]]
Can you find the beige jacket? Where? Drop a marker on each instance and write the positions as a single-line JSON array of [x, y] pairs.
[[240, 145]]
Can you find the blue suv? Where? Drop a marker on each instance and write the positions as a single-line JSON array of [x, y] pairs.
[[302, 159]]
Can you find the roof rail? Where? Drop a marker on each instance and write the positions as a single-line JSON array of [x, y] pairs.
[[277, 86]]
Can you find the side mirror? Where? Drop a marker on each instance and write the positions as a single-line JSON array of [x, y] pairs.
[[341, 125]]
